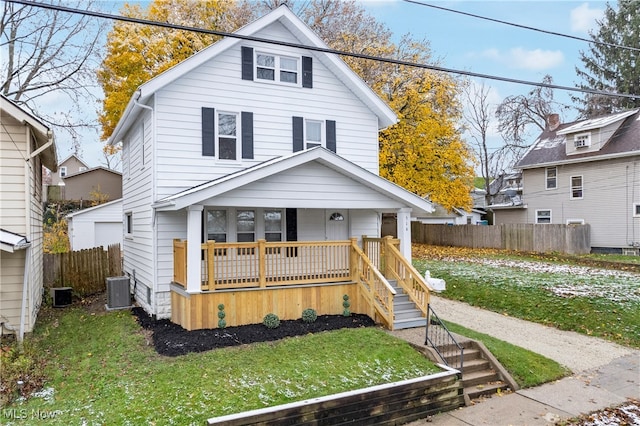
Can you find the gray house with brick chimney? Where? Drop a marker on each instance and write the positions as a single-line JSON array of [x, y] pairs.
[[585, 172]]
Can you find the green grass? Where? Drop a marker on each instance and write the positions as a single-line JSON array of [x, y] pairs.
[[602, 303], [101, 371], [527, 368]]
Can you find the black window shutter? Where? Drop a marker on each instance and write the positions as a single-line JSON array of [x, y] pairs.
[[247, 135], [298, 134], [291, 216], [307, 72], [208, 132], [247, 63], [331, 135]]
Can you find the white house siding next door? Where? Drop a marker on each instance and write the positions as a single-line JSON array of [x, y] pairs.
[[336, 225], [108, 233]]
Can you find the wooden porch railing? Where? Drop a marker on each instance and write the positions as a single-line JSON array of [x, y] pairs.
[[264, 264]]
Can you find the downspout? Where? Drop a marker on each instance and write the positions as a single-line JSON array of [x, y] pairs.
[[25, 285], [27, 254]]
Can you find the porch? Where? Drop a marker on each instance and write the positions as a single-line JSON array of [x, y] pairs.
[[253, 279]]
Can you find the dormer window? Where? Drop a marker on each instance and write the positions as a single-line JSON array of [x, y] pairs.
[[582, 140], [283, 69]]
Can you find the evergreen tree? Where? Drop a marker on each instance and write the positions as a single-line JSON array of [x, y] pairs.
[[611, 68]]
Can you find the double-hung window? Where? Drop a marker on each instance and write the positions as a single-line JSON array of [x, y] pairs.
[[245, 226], [543, 216], [551, 177], [217, 225], [273, 225], [313, 133], [63, 171], [227, 136], [576, 187], [283, 69]]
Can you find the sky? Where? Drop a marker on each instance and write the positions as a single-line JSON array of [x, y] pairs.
[[471, 44]]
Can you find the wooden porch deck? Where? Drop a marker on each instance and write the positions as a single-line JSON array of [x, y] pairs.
[[254, 279]]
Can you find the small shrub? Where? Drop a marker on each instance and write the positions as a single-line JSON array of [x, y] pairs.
[[346, 304], [271, 321], [221, 315], [309, 315]]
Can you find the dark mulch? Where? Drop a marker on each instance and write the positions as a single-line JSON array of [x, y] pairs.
[[172, 340]]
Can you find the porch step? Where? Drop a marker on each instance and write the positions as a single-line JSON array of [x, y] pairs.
[[406, 314]]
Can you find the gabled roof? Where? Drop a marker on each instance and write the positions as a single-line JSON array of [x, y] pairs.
[[93, 169], [94, 208], [386, 116], [41, 131], [10, 241], [217, 187], [549, 149], [68, 157]]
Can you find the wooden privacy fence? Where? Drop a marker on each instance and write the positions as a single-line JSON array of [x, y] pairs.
[[85, 271], [569, 239]]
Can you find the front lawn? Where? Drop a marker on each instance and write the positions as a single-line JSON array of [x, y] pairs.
[[101, 369], [552, 290]]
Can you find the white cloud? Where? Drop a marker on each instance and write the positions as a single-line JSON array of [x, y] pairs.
[[520, 58], [582, 18]]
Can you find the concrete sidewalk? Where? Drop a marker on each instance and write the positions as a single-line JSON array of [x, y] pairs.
[[612, 377]]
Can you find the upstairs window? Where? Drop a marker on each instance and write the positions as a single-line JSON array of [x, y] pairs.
[[227, 135], [551, 174], [63, 171], [636, 210], [283, 69], [82, 169], [581, 141], [576, 187], [313, 133]]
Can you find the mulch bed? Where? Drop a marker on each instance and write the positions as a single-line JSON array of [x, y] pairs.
[[170, 339]]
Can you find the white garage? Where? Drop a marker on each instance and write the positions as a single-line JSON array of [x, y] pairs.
[[96, 226]]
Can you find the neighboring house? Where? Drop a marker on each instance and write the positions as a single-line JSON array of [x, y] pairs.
[[91, 183], [26, 144], [506, 189], [96, 226], [54, 189], [271, 151], [585, 172], [454, 217]]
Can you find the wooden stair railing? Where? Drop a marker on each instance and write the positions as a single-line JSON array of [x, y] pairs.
[[400, 269], [377, 290]]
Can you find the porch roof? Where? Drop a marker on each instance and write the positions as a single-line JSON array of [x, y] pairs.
[[199, 194]]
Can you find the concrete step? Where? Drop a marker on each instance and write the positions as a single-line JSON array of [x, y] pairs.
[[476, 378], [469, 354], [474, 365], [478, 391]]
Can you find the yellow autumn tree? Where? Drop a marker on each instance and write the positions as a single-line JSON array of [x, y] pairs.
[[137, 52]]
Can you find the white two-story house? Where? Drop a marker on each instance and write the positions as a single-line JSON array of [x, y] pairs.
[[250, 179], [585, 172]]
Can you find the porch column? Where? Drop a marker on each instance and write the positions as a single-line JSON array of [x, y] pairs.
[[404, 232], [194, 228]]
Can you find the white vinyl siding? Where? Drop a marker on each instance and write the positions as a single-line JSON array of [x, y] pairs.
[[178, 109]]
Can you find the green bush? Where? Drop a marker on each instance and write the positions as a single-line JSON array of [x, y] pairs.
[[221, 321], [346, 304], [309, 315], [271, 321]]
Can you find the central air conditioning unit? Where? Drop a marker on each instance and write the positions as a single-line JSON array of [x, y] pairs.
[[61, 296], [118, 296]]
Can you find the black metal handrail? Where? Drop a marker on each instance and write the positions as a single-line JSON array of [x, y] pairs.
[[442, 341]]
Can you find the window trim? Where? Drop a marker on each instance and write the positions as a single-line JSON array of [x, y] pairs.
[[547, 178], [538, 217], [573, 189], [277, 68], [81, 169], [62, 172]]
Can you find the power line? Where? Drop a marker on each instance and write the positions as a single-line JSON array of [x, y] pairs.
[[523, 26], [317, 49]]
